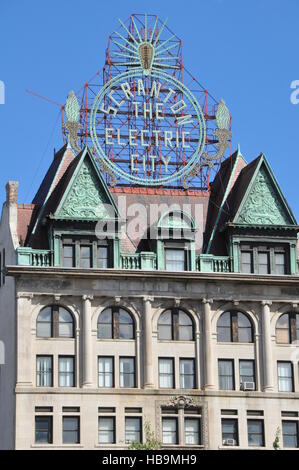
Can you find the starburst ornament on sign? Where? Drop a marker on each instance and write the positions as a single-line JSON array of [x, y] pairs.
[[143, 50]]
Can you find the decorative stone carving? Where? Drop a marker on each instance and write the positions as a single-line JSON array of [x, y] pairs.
[[181, 401], [263, 205], [85, 199]]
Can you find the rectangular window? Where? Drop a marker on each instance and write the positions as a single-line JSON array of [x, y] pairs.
[[133, 430], [246, 261], [169, 431], [166, 372], [85, 256], [102, 256], [43, 429], [106, 372], [127, 372], [263, 262], [71, 429], [255, 429], [66, 371], [226, 374], [44, 371], [246, 371], [285, 376], [187, 373], [280, 263], [175, 260], [192, 431], [69, 256], [106, 430], [229, 432], [290, 433]]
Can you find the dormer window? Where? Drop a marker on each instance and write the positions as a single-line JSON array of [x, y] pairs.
[[175, 242], [263, 259], [175, 259], [86, 253]]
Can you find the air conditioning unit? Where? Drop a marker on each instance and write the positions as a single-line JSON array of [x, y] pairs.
[[229, 442], [250, 386]]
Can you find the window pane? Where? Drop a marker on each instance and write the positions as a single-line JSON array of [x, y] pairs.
[[43, 429], [126, 326], [68, 256], [263, 263], [106, 373], [102, 256], [244, 329], [226, 375], [44, 371], [285, 377], [283, 329], [192, 428], [187, 375], [66, 372], [185, 327], [71, 430], [255, 432], [44, 323], [105, 324], [133, 430], [280, 265], [66, 324], [106, 430], [246, 262], [246, 371], [165, 325], [290, 433], [166, 373], [174, 260], [169, 431], [127, 372], [230, 430], [224, 328]]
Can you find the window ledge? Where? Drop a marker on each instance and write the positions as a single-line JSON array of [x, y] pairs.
[[182, 341], [62, 446], [116, 340], [226, 343], [58, 338]]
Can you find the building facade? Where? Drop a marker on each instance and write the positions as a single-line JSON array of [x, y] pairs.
[[135, 292], [101, 337]]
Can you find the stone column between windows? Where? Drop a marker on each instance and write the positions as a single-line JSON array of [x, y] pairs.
[[24, 341], [148, 379], [267, 349], [208, 347], [87, 341]]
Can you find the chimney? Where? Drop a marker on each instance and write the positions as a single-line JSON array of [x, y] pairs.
[[12, 193]]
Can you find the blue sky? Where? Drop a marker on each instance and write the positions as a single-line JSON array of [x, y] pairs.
[[244, 51]]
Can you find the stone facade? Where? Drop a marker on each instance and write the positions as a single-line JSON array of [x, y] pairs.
[[216, 410], [145, 296]]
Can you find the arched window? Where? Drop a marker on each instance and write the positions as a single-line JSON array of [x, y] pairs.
[[55, 321], [175, 325], [234, 327], [287, 328], [115, 323]]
